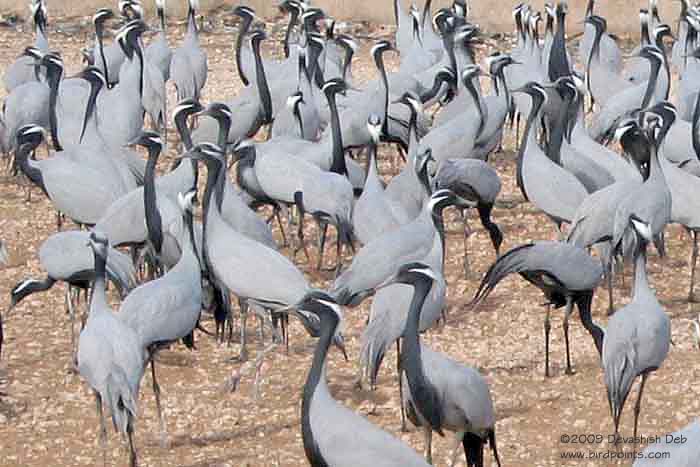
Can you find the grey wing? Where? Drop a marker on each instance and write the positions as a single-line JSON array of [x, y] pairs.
[[346, 439], [676, 452]]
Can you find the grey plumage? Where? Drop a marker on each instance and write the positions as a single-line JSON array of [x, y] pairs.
[[442, 393], [188, 68], [334, 435], [110, 358], [669, 453], [21, 71], [637, 338], [168, 308], [378, 259], [566, 274]]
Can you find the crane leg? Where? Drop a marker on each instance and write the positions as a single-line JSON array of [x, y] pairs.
[[567, 313], [611, 301], [300, 237], [399, 370], [338, 254], [455, 450], [547, 328], [428, 434], [243, 356], [132, 448], [638, 407], [71, 315], [693, 263], [103, 427], [467, 234], [161, 415], [323, 230], [276, 213]]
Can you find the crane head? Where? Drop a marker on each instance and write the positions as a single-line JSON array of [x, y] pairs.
[[99, 243], [410, 274]]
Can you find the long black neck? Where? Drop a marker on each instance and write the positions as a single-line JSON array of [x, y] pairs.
[[423, 393], [99, 33], [293, 17], [653, 78], [534, 112], [557, 134], [300, 121], [154, 223], [433, 91], [338, 166], [583, 302], [379, 61], [224, 128], [558, 62], [95, 88], [263, 88], [161, 18], [316, 373], [220, 187], [189, 224], [595, 51], [32, 172], [439, 223], [474, 93], [242, 32], [213, 169], [54, 82], [186, 138]]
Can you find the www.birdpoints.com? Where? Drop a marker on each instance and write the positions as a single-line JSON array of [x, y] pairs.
[[616, 441]]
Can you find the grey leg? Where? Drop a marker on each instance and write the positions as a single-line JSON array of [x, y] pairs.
[[244, 320], [638, 406], [467, 234], [428, 434], [457, 445], [161, 415], [132, 449], [103, 427], [693, 263], [399, 370], [322, 231], [567, 313], [547, 328]]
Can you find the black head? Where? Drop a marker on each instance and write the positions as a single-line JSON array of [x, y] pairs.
[[446, 75], [441, 199], [30, 134], [244, 12], [661, 31], [39, 13], [295, 100], [411, 100], [187, 107], [498, 62], [186, 201], [94, 76], [99, 243], [148, 140], [32, 52], [411, 274], [101, 16], [443, 19], [380, 48], [347, 43], [334, 86], [566, 87], [218, 111], [256, 37], [653, 54], [53, 63], [207, 152], [534, 90], [562, 9], [130, 9], [22, 290]]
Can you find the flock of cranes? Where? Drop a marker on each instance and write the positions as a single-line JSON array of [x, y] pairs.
[[137, 229]]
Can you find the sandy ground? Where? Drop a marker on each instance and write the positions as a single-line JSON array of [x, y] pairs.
[[47, 414]]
